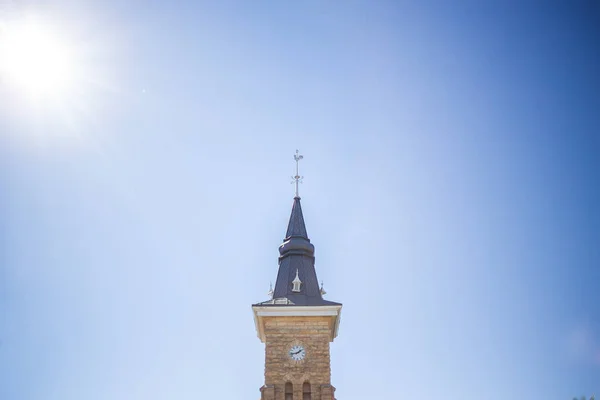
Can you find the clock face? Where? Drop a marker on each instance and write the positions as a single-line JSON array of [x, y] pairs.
[[297, 352]]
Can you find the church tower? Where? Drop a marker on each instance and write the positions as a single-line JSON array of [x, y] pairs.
[[297, 324]]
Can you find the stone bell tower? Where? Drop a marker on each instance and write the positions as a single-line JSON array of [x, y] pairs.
[[297, 324]]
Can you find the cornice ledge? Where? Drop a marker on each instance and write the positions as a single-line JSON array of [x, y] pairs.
[[261, 312]]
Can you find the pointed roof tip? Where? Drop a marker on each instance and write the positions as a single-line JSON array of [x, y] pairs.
[[296, 226]]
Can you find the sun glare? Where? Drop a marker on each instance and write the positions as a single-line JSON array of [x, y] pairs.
[[35, 59]]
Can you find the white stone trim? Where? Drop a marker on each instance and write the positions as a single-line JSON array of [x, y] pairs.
[[297, 313]]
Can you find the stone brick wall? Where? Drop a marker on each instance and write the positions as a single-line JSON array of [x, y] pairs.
[[281, 334]]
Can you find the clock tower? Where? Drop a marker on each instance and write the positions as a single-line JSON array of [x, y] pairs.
[[296, 324]]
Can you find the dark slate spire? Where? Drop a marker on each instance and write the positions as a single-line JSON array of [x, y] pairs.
[[296, 225], [297, 260], [296, 239], [297, 282]]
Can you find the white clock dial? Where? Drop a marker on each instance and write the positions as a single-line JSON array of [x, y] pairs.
[[297, 352]]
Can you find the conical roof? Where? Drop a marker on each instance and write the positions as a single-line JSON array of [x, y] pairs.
[[297, 259], [296, 225]]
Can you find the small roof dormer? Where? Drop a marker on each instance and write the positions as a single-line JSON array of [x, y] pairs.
[[296, 283]]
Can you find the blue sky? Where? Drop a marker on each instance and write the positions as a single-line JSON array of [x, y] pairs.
[[451, 191]]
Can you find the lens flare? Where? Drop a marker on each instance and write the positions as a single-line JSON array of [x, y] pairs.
[[35, 59]]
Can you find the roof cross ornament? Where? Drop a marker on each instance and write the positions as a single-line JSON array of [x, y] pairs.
[[297, 179]]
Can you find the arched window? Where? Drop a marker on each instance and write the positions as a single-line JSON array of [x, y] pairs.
[[289, 391], [306, 391]]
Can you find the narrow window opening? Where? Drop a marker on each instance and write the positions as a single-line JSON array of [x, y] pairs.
[[289, 391], [306, 391]]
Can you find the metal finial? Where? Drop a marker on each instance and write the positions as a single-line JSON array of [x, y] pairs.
[[270, 292], [297, 179], [323, 292]]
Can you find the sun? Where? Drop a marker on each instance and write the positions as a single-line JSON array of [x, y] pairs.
[[35, 59]]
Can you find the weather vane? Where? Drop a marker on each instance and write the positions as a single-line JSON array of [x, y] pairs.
[[297, 179]]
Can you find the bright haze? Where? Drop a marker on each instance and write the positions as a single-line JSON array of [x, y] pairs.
[[451, 189]]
